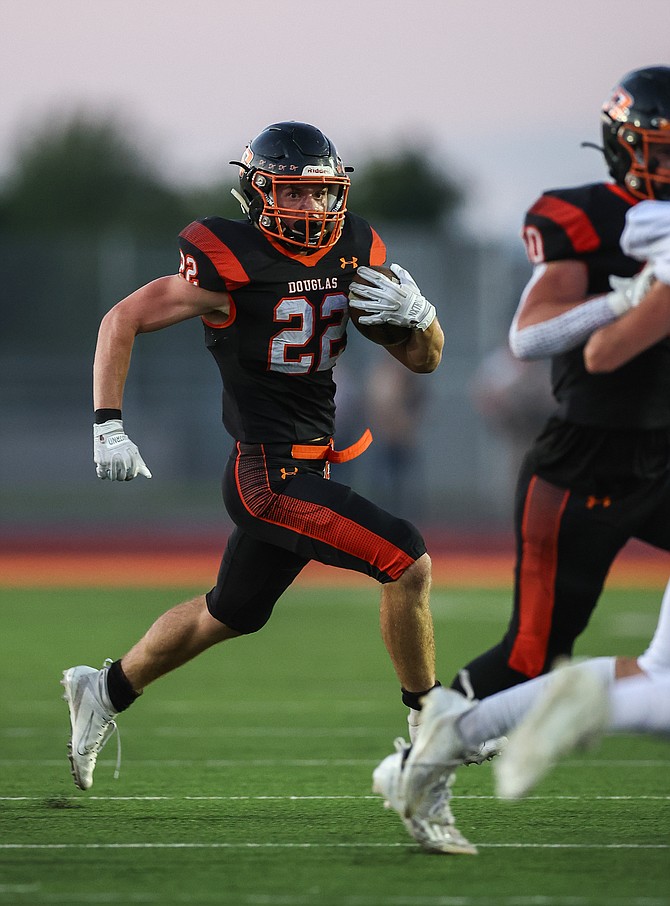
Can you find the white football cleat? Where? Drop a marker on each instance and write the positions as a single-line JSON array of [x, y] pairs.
[[91, 720], [437, 751], [435, 832], [439, 838], [386, 776], [572, 712]]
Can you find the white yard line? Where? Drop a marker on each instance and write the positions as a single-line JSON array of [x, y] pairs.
[[251, 899], [369, 845], [308, 798], [309, 762]]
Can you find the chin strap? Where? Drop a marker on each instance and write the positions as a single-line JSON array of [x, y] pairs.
[[244, 204]]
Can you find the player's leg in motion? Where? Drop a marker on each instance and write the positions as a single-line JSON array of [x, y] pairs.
[[656, 659], [574, 711], [407, 630], [545, 718], [407, 627], [287, 502], [454, 730], [552, 714], [390, 550], [95, 697], [241, 597], [566, 543], [641, 704]]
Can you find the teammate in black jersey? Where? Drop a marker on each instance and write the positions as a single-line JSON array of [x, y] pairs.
[[549, 716], [272, 292], [599, 472]]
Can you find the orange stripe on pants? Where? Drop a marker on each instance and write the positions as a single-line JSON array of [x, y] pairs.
[[545, 505]]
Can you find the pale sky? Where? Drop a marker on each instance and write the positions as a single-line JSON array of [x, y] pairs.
[[499, 91]]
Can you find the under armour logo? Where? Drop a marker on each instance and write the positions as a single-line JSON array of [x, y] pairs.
[[353, 262], [285, 473], [591, 502]]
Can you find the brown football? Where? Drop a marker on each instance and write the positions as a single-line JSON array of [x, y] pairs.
[[383, 334]]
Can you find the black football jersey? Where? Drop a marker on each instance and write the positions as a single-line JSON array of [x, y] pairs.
[[585, 224], [287, 324]]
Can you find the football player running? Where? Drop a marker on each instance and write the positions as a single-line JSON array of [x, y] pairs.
[[598, 474], [271, 291]]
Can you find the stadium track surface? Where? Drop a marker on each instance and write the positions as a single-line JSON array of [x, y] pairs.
[[465, 561]]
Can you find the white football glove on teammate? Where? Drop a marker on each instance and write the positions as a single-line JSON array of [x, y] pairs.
[[115, 455], [628, 292], [391, 303], [646, 236]]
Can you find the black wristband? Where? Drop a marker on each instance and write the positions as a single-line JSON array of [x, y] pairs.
[[104, 415]]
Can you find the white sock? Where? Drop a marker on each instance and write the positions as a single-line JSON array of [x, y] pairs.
[[498, 714], [656, 658], [641, 704], [413, 724]]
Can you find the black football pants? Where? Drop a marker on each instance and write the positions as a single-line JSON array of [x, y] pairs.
[[287, 513]]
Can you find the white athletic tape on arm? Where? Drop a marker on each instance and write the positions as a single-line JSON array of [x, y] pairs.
[[561, 333]]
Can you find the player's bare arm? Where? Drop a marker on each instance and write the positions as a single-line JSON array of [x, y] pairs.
[[422, 352], [639, 329], [554, 288], [159, 304], [165, 301]]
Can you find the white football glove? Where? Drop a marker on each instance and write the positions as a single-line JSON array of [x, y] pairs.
[[391, 303], [115, 455], [628, 292], [646, 236]]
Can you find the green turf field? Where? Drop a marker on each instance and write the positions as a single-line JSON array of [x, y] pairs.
[[246, 775]]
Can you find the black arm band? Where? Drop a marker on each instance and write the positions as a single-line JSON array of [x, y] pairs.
[[104, 415]]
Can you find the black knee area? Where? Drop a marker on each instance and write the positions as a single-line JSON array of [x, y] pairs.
[[245, 621], [413, 699], [488, 673]]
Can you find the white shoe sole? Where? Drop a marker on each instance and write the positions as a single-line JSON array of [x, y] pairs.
[[436, 838], [66, 682]]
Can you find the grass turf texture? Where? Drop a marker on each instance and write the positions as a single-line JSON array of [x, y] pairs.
[[246, 774]]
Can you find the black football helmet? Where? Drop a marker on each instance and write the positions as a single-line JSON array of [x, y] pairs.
[[289, 153], [636, 132]]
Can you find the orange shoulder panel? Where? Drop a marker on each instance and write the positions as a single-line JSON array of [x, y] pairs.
[[377, 250], [572, 219], [227, 265]]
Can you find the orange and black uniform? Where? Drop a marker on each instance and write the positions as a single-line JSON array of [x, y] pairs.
[[599, 472], [276, 353]]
